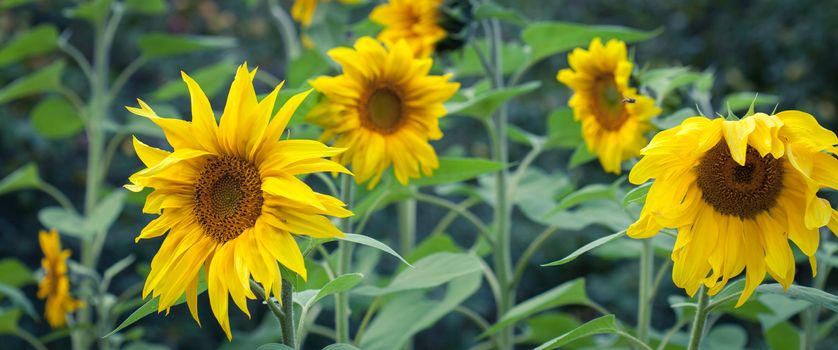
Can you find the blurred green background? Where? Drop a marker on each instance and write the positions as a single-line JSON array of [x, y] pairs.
[[784, 48]]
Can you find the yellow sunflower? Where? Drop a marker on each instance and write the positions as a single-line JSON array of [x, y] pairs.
[[737, 191], [415, 21], [303, 10], [55, 286], [614, 117], [229, 198], [383, 108]]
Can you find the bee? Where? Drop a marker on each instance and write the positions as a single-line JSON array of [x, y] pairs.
[[629, 100]]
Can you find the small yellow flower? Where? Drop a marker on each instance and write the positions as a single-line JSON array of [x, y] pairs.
[[737, 191], [384, 109], [614, 117], [303, 10], [415, 21], [55, 286], [230, 199]]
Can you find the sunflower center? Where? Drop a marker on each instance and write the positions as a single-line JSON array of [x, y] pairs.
[[607, 103], [739, 190], [228, 197], [383, 111]]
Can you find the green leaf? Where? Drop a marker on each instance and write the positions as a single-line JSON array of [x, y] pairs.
[[23, 178], [568, 293], [562, 130], [151, 306], [55, 118], [485, 104], [490, 10], [431, 271], [726, 337], [64, 221], [581, 155], [585, 194], [146, 7], [742, 100], [662, 81], [637, 194], [433, 244], [340, 346], [373, 243], [586, 248], [9, 318], [141, 345], [468, 64], [812, 295], [409, 313], [608, 214], [106, 211], [8, 4], [601, 325], [458, 169], [549, 38], [14, 273], [274, 346], [94, 11], [46, 79], [36, 41], [153, 45], [674, 119], [380, 197], [340, 284], [19, 299], [212, 79], [782, 336], [780, 309], [309, 64], [549, 325]]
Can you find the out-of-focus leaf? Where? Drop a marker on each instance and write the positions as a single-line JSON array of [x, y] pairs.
[[458, 169], [674, 119], [65, 221], [663, 80], [586, 248], [46, 79], [490, 10], [146, 7], [340, 346], [782, 308], [726, 337], [9, 318], [23, 178], [38, 40], [485, 104], [601, 325], [340, 284], [18, 298], [94, 11], [812, 295], [549, 38], [14, 273], [562, 130], [141, 345], [7, 4], [431, 271], [468, 63], [274, 346], [608, 214], [585, 194], [568, 293], [55, 118], [581, 155], [310, 64], [782, 336], [151, 306], [153, 45], [637, 194], [549, 325], [433, 244], [740, 101], [106, 212], [373, 243], [212, 79]]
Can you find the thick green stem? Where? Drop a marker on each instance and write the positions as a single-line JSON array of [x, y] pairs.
[[344, 264], [407, 225], [700, 319], [644, 304], [287, 323]]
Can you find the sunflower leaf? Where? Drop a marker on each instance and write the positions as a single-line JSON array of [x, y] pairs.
[[46, 79], [601, 325], [586, 248], [637, 194], [428, 272], [18, 298], [485, 104], [23, 178], [812, 295], [453, 170], [372, 242], [35, 41], [153, 45], [549, 38], [151, 306]]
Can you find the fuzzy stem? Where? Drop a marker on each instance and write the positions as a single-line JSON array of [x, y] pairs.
[[700, 319]]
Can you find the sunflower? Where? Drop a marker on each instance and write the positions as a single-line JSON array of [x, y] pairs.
[[383, 108], [737, 191], [614, 117], [303, 10], [55, 286], [229, 198], [415, 21]]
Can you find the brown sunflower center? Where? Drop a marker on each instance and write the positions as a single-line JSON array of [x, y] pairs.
[[739, 190], [607, 103], [228, 197], [383, 111]]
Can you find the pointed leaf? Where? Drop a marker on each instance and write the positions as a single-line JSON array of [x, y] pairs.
[[372, 242], [36, 41], [428, 272], [151, 306], [153, 45], [549, 38], [586, 248], [44, 80], [23, 178], [458, 169], [18, 298], [485, 104], [569, 293]]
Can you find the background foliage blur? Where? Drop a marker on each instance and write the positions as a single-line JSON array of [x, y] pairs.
[[783, 48]]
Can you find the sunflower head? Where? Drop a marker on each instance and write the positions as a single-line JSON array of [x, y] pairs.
[[55, 286], [414, 21], [303, 10], [383, 108], [614, 116], [737, 192], [228, 198]]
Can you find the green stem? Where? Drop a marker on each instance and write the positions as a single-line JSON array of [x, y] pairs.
[[644, 307], [452, 215], [700, 319], [286, 28], [376, 303], [344, 262], [287, 323], [275, 309], [525, 257], [29, 338], [407, 225], [58, 196], [441, 202]]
